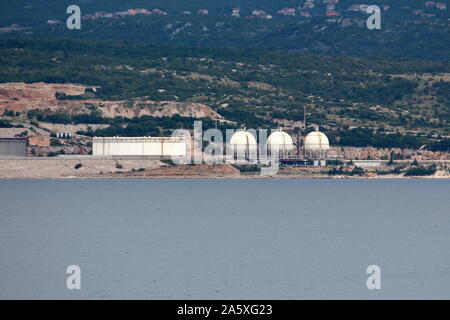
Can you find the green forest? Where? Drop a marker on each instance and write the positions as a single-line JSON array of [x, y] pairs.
[[402, 35]]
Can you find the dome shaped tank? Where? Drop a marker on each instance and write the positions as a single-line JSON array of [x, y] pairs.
[[243, 143], [316, 144], [279, 143]]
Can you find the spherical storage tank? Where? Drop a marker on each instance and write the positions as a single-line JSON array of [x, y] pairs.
[[280, 143], [243, 143], [316, 144]]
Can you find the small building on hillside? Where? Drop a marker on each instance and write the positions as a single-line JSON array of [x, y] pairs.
[[332, 14], [309, 4], [159, 12], [305, 13], [64, 135], [287, 12], [258, 13], [236, 12], [358, 8]]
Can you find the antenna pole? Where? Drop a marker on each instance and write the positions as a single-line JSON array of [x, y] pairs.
[[304, 117]]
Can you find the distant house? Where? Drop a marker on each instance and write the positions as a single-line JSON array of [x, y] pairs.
[[441, 6], [332, 14], [203, 11], [236, 12], [258, 13], [429, 15], [102, 14], [159, 12], [287, 12], [417, 12], [358, 8], [266, 16], [309, 4], [363, 7], [53, 22], [429, 4], [133, 12], [89, 17], [330, 7], [64, 135], [141, 11], [305, 13]]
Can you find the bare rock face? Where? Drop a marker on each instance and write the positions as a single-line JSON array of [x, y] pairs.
[[156, 109], [20, 97]]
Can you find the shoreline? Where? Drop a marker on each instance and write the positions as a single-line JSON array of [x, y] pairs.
[[242, 177], [86, 168]]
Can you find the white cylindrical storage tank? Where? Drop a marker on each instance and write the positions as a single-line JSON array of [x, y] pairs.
[[316, 145], [279, 143], [243, 144]]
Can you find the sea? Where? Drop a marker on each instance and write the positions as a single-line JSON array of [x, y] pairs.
[[225, 239]]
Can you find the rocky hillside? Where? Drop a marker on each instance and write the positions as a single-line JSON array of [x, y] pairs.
[[22, 97]]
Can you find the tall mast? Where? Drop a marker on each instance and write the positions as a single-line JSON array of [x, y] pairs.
[[304, 117]]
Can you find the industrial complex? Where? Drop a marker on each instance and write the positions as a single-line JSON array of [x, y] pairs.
[[242, 147], [242, 153]]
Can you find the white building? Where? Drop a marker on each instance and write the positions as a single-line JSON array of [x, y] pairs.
[[140, 146], [236, 12], [316, 145], [243, 145], [280, 144]]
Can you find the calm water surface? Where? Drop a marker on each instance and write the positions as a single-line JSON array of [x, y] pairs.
[[224, 239]]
